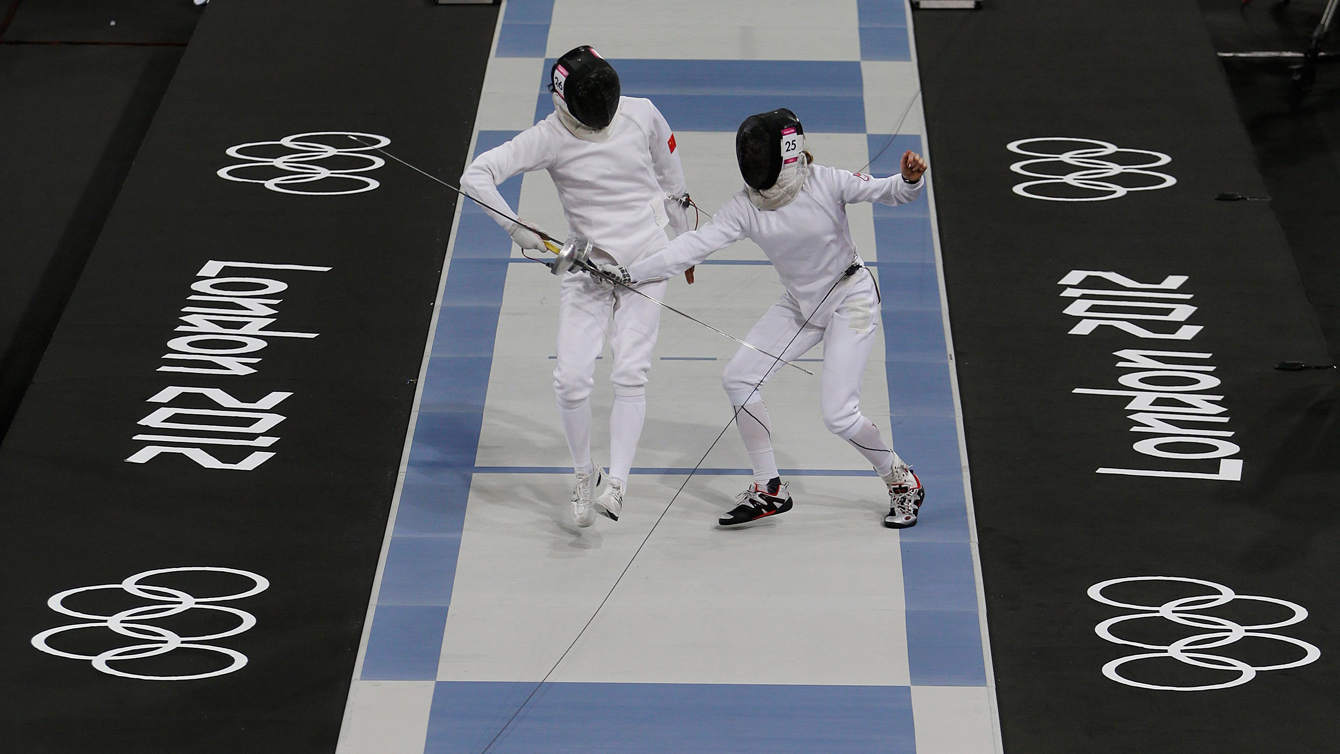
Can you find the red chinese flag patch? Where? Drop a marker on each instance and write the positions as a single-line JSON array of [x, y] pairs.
[[671, 142]]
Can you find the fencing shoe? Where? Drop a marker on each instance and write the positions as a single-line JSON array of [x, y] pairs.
[[582, 513], [758, 502], [610, 502], [905, 497]]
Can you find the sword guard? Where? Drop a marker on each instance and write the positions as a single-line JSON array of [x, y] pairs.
[[576, 253]]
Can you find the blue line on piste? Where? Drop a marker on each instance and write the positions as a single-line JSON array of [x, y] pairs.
[[406, 637], [944, 642], [716, 95], [666, 718]]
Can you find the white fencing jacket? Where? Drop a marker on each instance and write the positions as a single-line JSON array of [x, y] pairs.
[[808, 241], [613, 191]]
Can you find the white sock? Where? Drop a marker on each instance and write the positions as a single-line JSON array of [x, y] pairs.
[[756, 431], [576, 419], [630, 411], [869, 444]]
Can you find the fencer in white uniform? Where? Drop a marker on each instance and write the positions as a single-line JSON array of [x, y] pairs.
[[796, 212], [619, 178]]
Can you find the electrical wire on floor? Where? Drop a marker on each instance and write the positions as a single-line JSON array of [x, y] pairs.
[[777, 360], [853, 269], [767, 373]]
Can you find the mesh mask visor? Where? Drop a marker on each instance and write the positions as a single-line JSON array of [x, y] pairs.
[[765, 144], [588, 85]]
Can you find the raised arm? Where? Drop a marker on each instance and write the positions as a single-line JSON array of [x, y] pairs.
[[895, 189], [528, 151]]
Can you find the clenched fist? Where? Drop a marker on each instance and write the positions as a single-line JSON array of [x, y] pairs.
[[913, 166]]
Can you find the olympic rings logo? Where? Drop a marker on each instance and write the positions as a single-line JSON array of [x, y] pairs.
[[1191, 650], [1087, 170], [157, 640], [309, 163]]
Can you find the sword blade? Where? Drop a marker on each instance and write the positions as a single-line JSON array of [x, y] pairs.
[[551, 243]]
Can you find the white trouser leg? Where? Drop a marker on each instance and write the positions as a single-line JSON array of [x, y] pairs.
[[748, 370], [637, 321], [626, 419], [583, 316], [756, 431], [868, 443], [848, 340]]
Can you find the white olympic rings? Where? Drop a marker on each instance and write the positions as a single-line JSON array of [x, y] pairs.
[[1190, 650], [1092, 171], [303, 168], [130, 623]]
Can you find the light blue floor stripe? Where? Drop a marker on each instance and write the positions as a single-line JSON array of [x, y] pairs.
[[406, 637], [942, 622], [658, 718], [716, 95], [944, 647], [406, 641], [944, 644], [525, 29], [883, 27]]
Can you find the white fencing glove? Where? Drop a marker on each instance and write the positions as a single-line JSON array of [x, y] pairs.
[[525, 237], [612, 274], [683, 217]]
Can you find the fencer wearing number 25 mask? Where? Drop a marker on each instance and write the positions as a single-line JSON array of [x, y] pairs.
[[796, 212], [614, 163]]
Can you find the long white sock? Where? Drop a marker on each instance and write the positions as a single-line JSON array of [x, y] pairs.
[[756, 431], [576, 419], [630, 411], [868, 442]]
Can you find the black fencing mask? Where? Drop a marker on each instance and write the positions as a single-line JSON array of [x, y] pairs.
[[766, 144], [588, 85]]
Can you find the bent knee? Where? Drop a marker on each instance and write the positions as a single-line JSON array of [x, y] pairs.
[[843, 421], [736, 381]]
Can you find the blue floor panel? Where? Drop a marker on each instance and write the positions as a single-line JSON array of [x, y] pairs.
[[944, 648], [942, 623], [659, 718], [420, 570], [716, 95], [944, 515], [405, 643], [433, 505]]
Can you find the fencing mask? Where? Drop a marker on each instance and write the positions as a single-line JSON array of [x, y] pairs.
[[587, 85], [767, 144]]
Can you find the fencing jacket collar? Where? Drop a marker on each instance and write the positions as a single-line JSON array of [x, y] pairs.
[[577, 128], [788, 185]]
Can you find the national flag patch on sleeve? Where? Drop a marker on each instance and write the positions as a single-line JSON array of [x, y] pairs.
[[671, 143]]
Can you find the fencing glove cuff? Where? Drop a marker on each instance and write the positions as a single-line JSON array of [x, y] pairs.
[[681, 213], [525, 237]]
